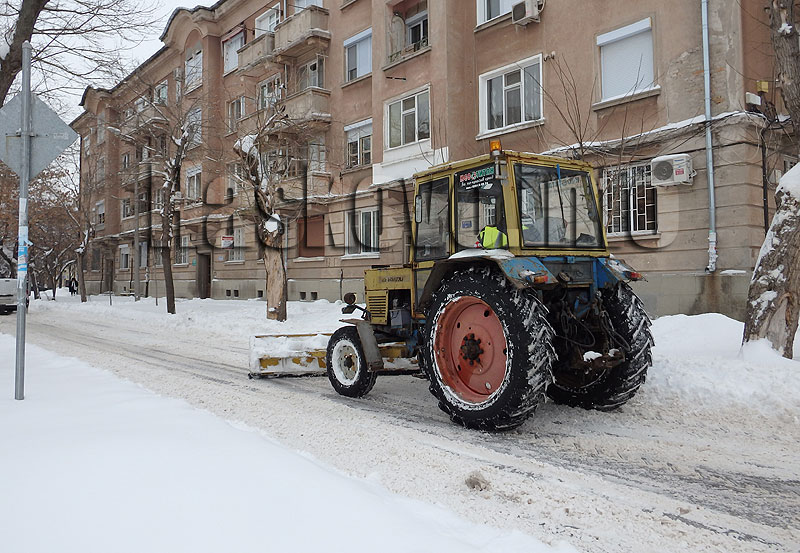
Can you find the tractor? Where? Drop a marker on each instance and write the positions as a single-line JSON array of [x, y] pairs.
[[510, 295]]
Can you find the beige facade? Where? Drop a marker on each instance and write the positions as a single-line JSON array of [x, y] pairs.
[[376, 90]]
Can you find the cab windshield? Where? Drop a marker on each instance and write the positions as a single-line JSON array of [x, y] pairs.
[[557, 208]]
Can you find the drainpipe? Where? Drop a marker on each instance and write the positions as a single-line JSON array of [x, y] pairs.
[[712, 208]]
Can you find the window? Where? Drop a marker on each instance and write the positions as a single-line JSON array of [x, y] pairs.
[[158, 198], [235, 113], [433, 230], [157, 260], [409, 120], [101, 170], [235, 179], [160, 94], [101, 128], [359, 143], [100, 210], [266, 22], [182, 250], [193, 183], [87, 143], [161, 145], [630, 200], [124, 257], [489, 9], [269, 92], [311, 237], [358, 55], [194, 124], [143, 197], [311, 74], [236, 253], [626, 60], [362, 232], [302, 4], [128, 112], [142, 254], [96, 258], [511, 95], [127, 210], [194, 67], [230, 51], [140, 103], [417, 31], [126, 160], [317, 155]]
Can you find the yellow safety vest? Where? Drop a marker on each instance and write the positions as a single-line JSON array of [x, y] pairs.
[[491, 238]]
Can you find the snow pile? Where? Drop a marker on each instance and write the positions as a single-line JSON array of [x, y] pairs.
[[699, 359], [234, 320], [107, 466]]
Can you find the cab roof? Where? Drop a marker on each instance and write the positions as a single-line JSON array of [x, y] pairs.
[[507, 155]]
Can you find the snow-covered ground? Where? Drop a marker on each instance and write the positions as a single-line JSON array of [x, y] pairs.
[[704, 458]]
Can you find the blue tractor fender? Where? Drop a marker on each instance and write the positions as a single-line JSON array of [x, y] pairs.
[[523, 272]]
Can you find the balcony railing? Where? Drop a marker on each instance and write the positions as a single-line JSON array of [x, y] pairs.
[[256, 52], [150, 116], [408, 51], [304, 32], [311, 104]]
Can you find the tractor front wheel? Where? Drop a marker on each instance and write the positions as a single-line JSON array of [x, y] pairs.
[[347, 367], [488, 350]]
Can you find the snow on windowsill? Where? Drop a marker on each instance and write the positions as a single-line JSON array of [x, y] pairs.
[[509, 129], [362, 256], [308, 259], [636, 236], [625, 98]]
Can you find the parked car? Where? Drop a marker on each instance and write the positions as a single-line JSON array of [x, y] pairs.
[[8, 295]]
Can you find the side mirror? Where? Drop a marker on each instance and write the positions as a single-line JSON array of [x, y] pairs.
[[349, 298], [418, 209]]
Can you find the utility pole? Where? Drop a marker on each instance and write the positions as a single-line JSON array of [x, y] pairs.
[[136, 247], [22, 259]]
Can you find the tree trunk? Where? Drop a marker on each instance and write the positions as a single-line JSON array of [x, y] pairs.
[[11, 64], [773, 303], [276, 283], [81, 278], [787, 54], [169, 286]]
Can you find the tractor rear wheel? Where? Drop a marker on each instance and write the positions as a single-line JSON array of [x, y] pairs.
[[488, 350], [615, 386], [347, 367]]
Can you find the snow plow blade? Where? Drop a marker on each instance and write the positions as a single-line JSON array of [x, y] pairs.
[[281, 355]]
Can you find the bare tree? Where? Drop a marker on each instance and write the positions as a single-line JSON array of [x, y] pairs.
[[773, 306], [277, 151], [74, 41], [162, 133]]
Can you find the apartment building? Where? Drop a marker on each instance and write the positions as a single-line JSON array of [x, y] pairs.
[[351, 97]]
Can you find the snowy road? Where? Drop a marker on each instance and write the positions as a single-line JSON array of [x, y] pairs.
[[671, 471]]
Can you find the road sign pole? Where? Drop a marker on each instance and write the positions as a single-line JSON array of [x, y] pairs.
[[22, 256]]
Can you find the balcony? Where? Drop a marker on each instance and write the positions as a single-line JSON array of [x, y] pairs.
[[310, 105], [147, 119], [302, 33], [318, 184], [140, 172], [409, 51], [256, 53]]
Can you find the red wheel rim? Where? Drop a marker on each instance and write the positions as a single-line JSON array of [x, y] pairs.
[[470, 349]]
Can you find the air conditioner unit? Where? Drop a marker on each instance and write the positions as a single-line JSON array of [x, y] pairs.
[[524, 12], [671, 170]]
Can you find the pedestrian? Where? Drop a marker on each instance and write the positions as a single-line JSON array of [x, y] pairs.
[[73, 287]]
